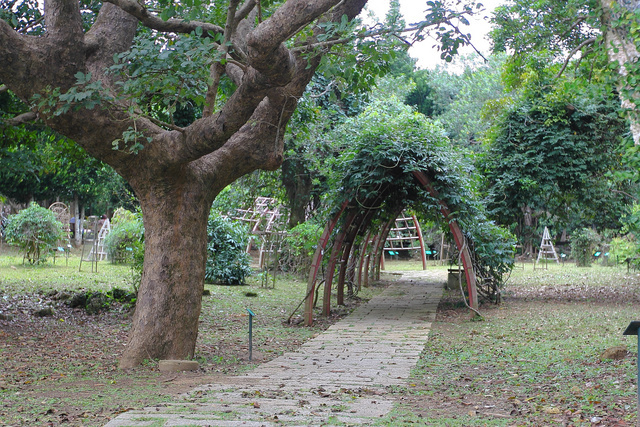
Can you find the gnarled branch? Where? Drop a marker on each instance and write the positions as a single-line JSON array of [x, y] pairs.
[[63, 20], [244, 11], [172, 25], [21, 119]]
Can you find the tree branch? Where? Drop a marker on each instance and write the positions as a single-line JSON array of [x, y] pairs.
[[163, 124], [63, 20], [573, 52], [244, 11], [286, 21], [111, 33], [217, 69], [27, 117], [625, 194], [172, 25], [573, 26], [13, 69]]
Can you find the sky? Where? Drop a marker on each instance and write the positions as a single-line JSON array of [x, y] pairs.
[[427, 56]]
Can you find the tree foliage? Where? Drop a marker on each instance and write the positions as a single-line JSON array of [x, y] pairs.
[[460, 101], [227, 259], [553, 151]]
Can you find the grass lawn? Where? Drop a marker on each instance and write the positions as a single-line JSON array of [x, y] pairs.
[[62, 368], [534, 360]]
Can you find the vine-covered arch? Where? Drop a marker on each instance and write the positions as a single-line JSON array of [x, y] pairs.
[[396, 160]]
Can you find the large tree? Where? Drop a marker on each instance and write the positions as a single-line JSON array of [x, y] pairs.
[[177, 172], [113, 76]]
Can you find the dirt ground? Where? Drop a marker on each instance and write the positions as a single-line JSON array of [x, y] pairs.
[[62, 369]]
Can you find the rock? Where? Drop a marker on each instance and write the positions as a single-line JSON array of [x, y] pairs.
[[177, 365], [61, 296], [78, 300], [97, 303], [44, 312], [618, 352]]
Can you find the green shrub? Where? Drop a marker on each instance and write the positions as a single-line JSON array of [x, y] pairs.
[[299, 247], [227, 260], [124, 240], [125, 243], [624, 248], [35, 230], [583, 242]]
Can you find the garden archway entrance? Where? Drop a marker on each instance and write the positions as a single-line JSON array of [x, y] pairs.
[[394, 158], [357, 218]]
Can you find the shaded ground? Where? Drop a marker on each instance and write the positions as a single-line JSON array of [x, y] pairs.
[[533, 361], [61, 368]]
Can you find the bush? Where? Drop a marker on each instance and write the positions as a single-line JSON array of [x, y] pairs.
[[35, 230], [299, 246], [624, 248], [583, 243], [227, 259], [126, 237]]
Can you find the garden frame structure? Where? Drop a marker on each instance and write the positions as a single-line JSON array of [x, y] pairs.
[[355, 243]]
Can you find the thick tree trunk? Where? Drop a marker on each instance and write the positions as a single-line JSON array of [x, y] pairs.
[[165, 324], [177, 172]]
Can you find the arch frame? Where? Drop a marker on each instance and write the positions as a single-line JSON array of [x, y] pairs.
[[355, 223]]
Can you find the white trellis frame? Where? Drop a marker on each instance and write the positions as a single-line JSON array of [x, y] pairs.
[[405, 235], [546, 247], [265, 218]]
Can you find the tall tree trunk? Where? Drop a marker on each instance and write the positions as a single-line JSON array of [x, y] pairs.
[[297, 183], [165, 323], [622, 49]]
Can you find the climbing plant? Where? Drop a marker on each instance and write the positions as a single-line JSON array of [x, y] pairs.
[[384, 146]]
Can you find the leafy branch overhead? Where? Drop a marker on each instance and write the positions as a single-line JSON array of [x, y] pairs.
[[180, 57]]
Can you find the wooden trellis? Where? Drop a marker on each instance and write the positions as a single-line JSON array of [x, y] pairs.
[[95, 235], [61, 211], [405, 235], [264, 218], [547, 251], [355, 219]]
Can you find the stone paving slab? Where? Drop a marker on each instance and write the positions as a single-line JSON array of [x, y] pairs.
[[339, 378]]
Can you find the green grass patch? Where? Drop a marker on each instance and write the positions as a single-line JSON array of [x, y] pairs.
[[535, 359]]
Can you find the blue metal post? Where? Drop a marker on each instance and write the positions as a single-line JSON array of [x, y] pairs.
[[251, 314]]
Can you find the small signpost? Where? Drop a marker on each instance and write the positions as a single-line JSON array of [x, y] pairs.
[[251, 314], [632, 329]]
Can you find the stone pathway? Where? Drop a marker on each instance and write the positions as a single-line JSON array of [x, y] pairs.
[[338, 378]]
